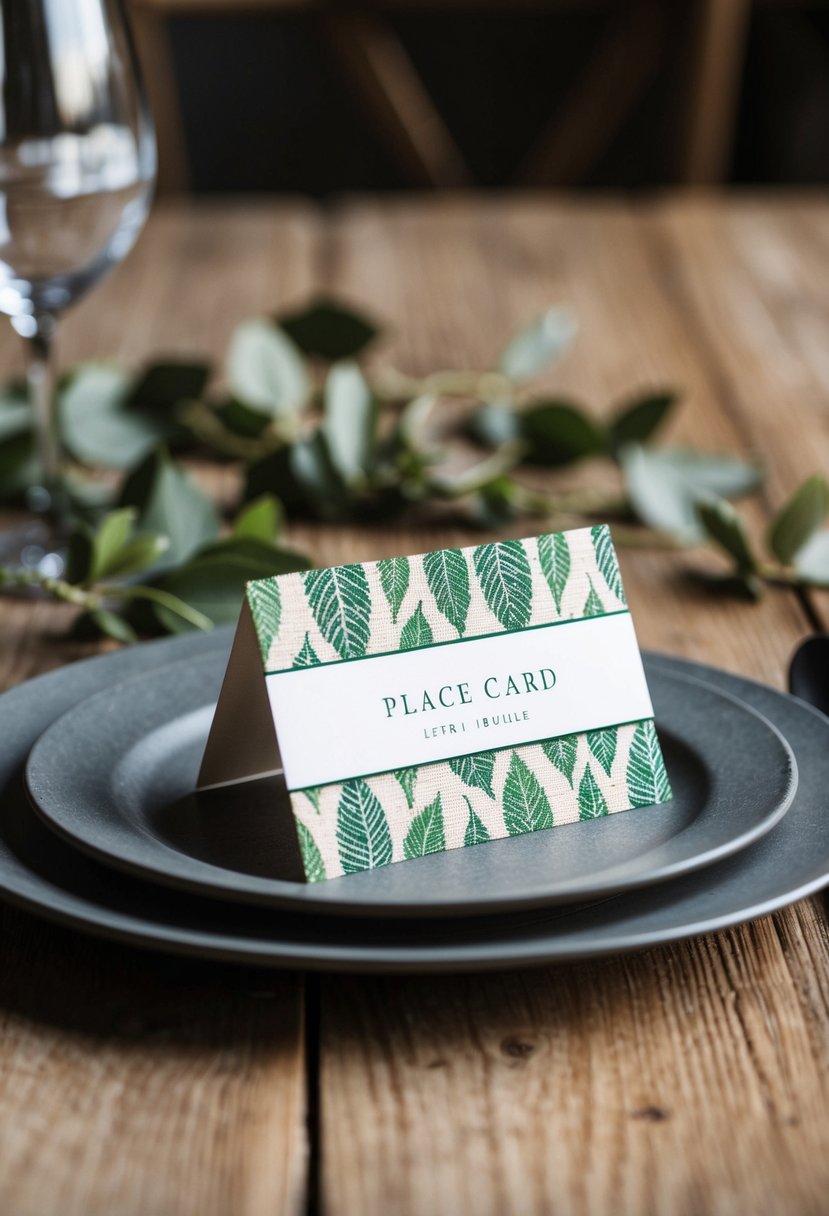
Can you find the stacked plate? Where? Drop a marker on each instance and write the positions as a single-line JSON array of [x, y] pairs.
[[100, 830]]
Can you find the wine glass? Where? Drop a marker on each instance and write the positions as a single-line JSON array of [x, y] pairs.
[[77, 168]]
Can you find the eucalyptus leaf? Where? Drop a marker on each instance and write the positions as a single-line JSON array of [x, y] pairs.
[[638, 421], [329, 330], [113, 625], [165, 383], [812, 561], [725, 527], [350, 421], [559, 433], [493, 425], [266, 370], [169, 502], [799, 519], [95, 424], [531, 349], [111, 536]]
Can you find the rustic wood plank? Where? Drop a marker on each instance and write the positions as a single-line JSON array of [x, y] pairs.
[[689, 1079], [130, 1083]]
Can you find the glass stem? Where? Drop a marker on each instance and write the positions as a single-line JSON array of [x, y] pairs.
[[40, 374]]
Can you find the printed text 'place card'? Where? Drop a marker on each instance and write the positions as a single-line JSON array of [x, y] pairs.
[[433, 702]]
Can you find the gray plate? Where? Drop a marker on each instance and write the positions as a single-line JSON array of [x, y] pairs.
[[115, 777], [40, 873]]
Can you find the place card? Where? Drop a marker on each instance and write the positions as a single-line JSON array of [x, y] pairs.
[[434, 702]]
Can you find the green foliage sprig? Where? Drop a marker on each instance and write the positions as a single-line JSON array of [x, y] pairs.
[[320, 430]]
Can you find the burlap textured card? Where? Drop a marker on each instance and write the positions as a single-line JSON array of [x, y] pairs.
[[434, 702]]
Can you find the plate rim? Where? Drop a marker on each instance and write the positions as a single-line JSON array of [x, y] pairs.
[[296, 897]]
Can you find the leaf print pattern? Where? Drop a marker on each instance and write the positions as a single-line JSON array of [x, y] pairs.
[[526, 806], [407, 777], [448, 577], [593, 605], [340, 600], [313, 795], [363, 835], [562, 753], [426, 835], [607, 561], [307, 656], [394, 579], [592, 803], [554, 557], [475, 771], [476, 830], [266, 609], [647, 778], [503, 571], [417, 631], [602, 744], [311, 857]]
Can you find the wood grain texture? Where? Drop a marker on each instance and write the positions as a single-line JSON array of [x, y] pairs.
[[684, 1080]]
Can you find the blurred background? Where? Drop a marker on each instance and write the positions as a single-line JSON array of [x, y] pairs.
[[314, 97]]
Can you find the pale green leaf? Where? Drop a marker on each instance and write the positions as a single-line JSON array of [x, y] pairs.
[[349, 421], [111, 536], [96, 427], [341, 603], [363, 836], [261, 519], [448, 577], [506, 581], [593, 605], [646, 776], [526, 806], [394, 579], [266, 370], [554, 556], [426, 834], [592, 802], [530, 350], [812, 562]]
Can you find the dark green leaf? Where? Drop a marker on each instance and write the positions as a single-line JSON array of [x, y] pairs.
[[79, 555], [170, 503], [307, 656], [638, 422], [266, 370], [265, 603], [162, 385], [554, 557], [476, 830], [592, 803], [340, 600], [506, 581], [526, 806], [799, 519], [407, 778], [363, 835], [559, 433], [426, 834], [448, 577], [261, 519], [312, 861], [562, 753], [417, 631], [394, 579], [726, 528], [530, 350], [646, 776], [602, 744], [475, 771], [607, 560], [329, 330], [235, 416]]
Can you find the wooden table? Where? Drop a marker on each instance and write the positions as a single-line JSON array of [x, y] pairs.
[[692, 1079]]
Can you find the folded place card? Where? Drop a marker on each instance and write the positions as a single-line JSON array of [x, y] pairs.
[[425, 703]]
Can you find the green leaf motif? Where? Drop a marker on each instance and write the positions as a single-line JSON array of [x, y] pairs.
[[313, 796], [506, 581], [476, 831], [408, 779], [526, 806], [363, 836], [562, 753], [266, 608], [341, 603], [307, 656], [607, 561], [426, 835], [394, 579], [602, 744], [475, 771], [312, 861], [554, 556], [592, 804], [417, 631], [593, 606], [799, 519], [646, 776], [448, 577]]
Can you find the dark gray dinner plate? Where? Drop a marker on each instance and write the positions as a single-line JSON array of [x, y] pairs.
[[41, 873], [115, 776]]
